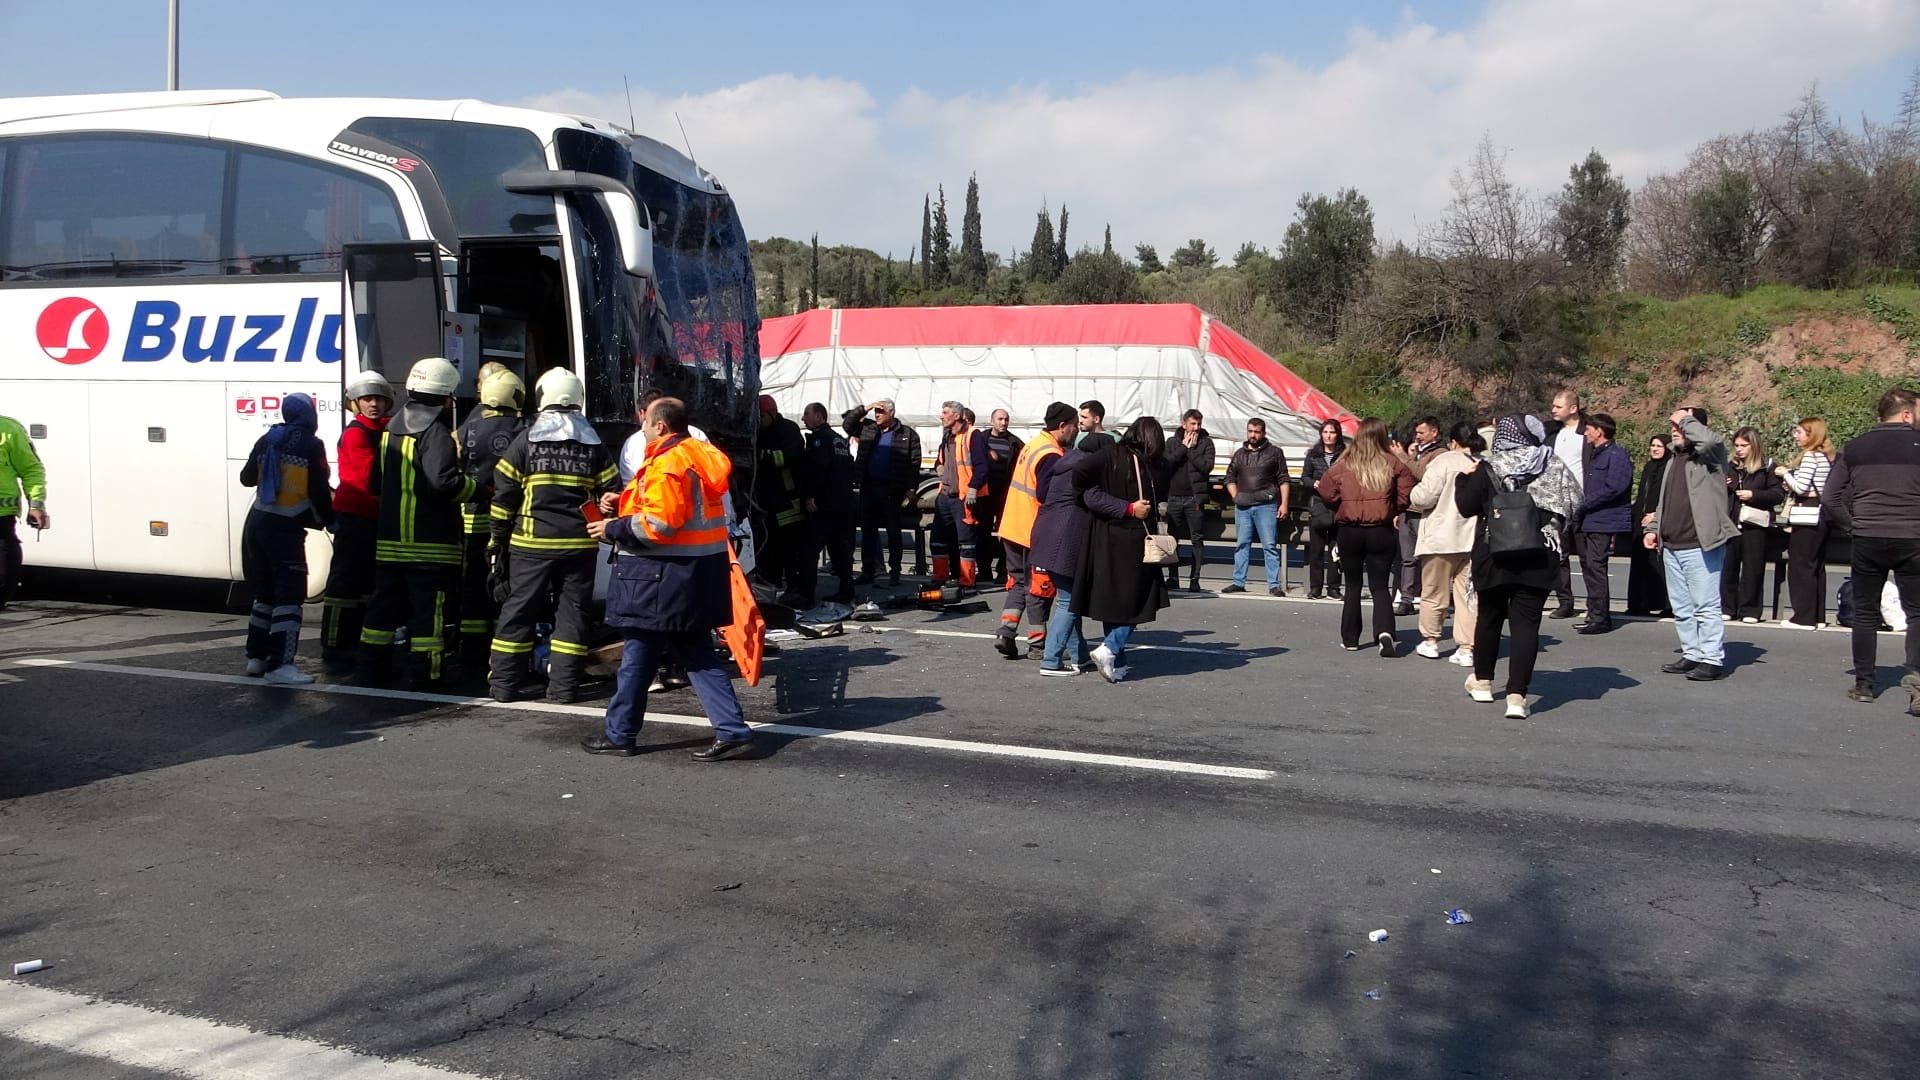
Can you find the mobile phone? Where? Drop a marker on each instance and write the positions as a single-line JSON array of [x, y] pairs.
[[591, 510]]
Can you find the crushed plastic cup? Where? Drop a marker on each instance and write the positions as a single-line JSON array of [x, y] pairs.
[[1377, 936], [1371, 995], [1455, 916]]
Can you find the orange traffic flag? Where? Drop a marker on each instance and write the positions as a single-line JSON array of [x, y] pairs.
[[746, 634]]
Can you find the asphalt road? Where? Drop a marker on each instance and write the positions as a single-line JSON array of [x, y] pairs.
[[1666, 879]]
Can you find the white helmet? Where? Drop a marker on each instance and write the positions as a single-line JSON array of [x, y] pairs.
[[370, 384], [434, 375], [559, 387], [502, 389]]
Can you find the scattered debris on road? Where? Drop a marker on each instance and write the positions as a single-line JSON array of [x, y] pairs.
[[28, 967], [1455, 916], [1377, 936]]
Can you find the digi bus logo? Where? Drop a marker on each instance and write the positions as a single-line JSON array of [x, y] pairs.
[[72, 330]]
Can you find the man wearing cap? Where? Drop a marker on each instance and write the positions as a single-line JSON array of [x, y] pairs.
[[780, 491]]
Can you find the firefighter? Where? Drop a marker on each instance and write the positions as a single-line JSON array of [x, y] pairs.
[[539, 524], [356, 517], [829, 468], [1020, 510], [483, 438], [780, 490], [961, 465], [417, 547], [670, 585]]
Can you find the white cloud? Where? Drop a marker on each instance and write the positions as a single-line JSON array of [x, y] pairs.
[[1223, 154]]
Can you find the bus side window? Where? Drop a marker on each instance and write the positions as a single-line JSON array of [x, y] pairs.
[[291, 217], [113, 206]]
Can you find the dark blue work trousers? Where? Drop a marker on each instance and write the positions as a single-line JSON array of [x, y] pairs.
[[694, 649]]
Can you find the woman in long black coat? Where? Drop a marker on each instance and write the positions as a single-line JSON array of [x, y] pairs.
[[1112, 582], [1646, 578]]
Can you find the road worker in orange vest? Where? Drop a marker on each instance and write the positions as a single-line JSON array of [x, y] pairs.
[[671, 583], [1016, 533], [961, 465]]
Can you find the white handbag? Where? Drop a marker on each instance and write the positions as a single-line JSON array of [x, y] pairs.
[[1753, 515], [1160, 550]]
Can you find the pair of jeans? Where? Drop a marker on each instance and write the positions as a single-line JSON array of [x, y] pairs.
[[1117, 636], [1373, 550], [1807, 573], [1596, 549], [1064, 643], [1520, 607], [1264, 520], [1874, 559], [641, 657], [1186, 519], [1693, 584]]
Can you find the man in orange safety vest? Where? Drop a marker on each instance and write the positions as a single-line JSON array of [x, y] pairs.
[[961, 465], [1016, 532]]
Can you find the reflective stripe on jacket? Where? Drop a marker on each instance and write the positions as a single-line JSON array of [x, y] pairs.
[[1023, 491], [538, 489], [675, 504], [420, 486]]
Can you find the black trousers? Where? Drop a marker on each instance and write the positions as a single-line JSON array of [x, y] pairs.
[[830, 531], [349, 584], [1742, 579], [1373, 550], [1807, 573], [416, 596], [474, 610], [562, 582], [273, 558], [1187, 520], [11, 559], [782, 553], [1322, 548], [1596, 549], [1646, 580], [881, 513], [1520, 607], [1876, 558], [993, 553]]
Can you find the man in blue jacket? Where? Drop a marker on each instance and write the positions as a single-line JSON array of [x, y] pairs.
[[1605, 514]]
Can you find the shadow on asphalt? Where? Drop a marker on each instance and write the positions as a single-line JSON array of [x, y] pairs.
[[1557, 688]]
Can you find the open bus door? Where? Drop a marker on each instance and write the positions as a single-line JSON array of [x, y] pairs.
[[395, 302]]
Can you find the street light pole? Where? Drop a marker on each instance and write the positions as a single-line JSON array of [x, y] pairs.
[[173, 44]]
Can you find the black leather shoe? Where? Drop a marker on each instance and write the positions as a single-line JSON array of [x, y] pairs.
[[1561, 612], [1856, 692], [1006, 646], [1234, 588], [1593, 628], [598, 744], [722, 750], [1706, 673], [1276, 591], [1315, 594], [1403, 609], [1679, 667]]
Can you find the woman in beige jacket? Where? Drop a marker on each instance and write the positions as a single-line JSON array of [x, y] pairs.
[[1445, 549]]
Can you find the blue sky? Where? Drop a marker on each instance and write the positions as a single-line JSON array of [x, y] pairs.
[[837, 118]]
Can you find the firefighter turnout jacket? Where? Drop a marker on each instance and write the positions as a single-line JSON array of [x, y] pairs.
[[541, 482], [484, 438], [417, 478], [780, 486]]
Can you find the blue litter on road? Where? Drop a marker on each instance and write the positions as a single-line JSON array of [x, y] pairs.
[[1371, 995], [1455, 917]]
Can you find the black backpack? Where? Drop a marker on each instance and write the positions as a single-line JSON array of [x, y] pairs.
[[1514, 524]]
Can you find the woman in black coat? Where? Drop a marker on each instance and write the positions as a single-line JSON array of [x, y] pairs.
[[1112, 582], [1751, 482], [1646, 578], [1321, 530]]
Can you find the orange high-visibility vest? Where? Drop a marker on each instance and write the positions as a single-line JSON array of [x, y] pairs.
[[1023, 492], [963, 461], [676, 500]]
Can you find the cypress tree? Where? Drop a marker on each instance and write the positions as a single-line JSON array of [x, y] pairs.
[[973, 254], [941, 253], [1041, 254], [1060, 245], [813, 275], [780, 288], [926, 241], [1106, 247]]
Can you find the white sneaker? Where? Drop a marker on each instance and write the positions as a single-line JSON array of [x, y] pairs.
[[256, 667], [1428, 649], [1060, 672], [1103, 662], [1789, 624], [1516, 706], [288, 675], [1480, 690], [1748, 619], [1462, 657]]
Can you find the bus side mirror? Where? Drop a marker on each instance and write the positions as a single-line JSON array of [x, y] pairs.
[[629, 230]]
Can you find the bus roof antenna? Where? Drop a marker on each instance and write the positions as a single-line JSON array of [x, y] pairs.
[[631, 126], [684, 139]]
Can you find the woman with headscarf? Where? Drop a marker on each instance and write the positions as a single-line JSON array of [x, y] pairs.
[[287, 469], [1646, 578], [1513, 585], [1112, 582]]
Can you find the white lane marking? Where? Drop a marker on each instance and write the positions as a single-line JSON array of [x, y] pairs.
[[1038, 753], [1217, 651], [184, 1045]]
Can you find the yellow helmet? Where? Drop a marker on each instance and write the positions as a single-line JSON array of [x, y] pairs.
[[502, 389]]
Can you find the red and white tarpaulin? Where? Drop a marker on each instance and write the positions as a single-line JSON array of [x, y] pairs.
[[1158, 359]]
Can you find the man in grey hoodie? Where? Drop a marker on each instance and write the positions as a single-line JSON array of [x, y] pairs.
[[1691, 527]]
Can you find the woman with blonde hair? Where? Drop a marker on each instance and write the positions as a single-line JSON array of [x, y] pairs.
[[1368, 489], [1753, 491], [1806, 480]]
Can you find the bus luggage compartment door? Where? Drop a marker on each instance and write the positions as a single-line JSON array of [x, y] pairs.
[[58, 419], [161, 479]]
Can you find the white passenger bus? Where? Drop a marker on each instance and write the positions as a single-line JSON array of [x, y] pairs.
[[172, 264]]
